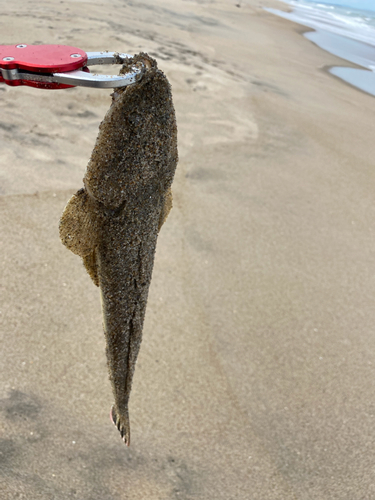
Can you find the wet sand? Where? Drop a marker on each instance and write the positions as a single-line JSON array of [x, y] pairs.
[[255, 378]]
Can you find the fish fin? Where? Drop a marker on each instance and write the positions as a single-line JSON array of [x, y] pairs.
[[76, 227], [122, 423], [166, 208], [91, 266]]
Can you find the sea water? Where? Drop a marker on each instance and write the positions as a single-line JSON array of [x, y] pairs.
[[346, 28]]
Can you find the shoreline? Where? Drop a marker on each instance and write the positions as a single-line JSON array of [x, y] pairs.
[[327, 70], [347, 48]]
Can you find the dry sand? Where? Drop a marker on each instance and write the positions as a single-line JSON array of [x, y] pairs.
[[256, 373]]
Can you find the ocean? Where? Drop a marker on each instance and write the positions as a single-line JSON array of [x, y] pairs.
[[345, 28]]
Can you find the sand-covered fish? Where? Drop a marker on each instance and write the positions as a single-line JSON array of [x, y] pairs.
[[113, 222]]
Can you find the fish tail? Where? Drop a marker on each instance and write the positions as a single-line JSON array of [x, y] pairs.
[[121, 421]]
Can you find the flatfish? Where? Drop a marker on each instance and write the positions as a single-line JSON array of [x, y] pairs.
[[114, 220]]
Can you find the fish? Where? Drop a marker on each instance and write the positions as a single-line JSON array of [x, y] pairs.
[[113, 222]]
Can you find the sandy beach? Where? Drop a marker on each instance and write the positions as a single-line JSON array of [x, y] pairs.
[[256, 375]]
